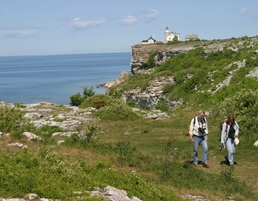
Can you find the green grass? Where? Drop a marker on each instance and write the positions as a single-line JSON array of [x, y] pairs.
[[166, 139]]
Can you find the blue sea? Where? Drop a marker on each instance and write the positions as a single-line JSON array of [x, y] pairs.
[[55, 78]]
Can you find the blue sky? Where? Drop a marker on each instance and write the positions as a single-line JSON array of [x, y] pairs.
[[47, 27]]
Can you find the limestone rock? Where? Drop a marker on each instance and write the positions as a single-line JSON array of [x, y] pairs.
[[113, 194], [30, 136]]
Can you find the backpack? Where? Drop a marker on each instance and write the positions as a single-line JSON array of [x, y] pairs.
[[188, 127], [221, 126]]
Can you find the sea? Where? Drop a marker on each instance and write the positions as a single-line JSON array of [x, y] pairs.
[[55, 78]]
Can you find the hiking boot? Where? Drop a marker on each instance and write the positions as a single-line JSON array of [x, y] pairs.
[[195, 165], [206, 165], [226, 158]]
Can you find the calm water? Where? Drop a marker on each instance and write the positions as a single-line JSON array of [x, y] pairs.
[[31, 79]]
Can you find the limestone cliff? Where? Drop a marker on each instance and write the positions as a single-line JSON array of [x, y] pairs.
[[153, 93], [140, 55]]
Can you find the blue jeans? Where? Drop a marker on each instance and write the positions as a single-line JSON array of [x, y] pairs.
[[197, 141], [231, 147]]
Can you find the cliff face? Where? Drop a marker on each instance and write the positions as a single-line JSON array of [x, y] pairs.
[[153, 93], [140, 55]]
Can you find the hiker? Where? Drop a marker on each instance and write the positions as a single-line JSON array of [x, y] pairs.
[[230, 130], [199, 135]]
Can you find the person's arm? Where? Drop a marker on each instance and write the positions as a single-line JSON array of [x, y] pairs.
[[237, 130], [223, 133], [206, 130], [191, 130]]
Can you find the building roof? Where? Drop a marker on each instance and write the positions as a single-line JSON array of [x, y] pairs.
[[150, 38], [192, 36]]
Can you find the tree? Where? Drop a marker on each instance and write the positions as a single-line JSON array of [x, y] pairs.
[[75, 99], [175, 38], [88, 92]]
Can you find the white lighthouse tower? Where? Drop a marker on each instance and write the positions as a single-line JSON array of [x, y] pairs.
[[171, 36], [166, 34]]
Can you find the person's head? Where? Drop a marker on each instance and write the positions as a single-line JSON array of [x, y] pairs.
[[231, 118], [201, 114]]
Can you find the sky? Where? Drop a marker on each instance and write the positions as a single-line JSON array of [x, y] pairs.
[[50, 27]]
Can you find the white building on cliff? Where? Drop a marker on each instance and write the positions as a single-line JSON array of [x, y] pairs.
[[150, 40], [191, 37], [170, 36]]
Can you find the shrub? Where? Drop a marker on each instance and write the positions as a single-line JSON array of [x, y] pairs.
[[88, 92], [76, 99], [168, 88], [12, 121], [151, 61], [116, 110], [179, 78], [99, 99], [84, 138], [162, 105], [46, 131], [244, 106], [199, 79], [132, 104], [99, 103]]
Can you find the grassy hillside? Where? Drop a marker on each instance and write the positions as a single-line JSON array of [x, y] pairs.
[[198, 72], [148, 158]]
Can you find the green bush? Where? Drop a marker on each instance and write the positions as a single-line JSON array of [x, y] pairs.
[[162, 105], [76, 99], [116, 110], [151, 61], [244, 106], [197, 81], [12, 121], [46, 132], [132, 104], [88, 92], [179, 78], [168, 88], [85, 136]]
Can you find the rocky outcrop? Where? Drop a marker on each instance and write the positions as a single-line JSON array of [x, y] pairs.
[[253, 73], [152, 95], [154, 92], [108, 193], [113, 194], [140, 55], [70, 119], [122, 77], [230, 75]]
